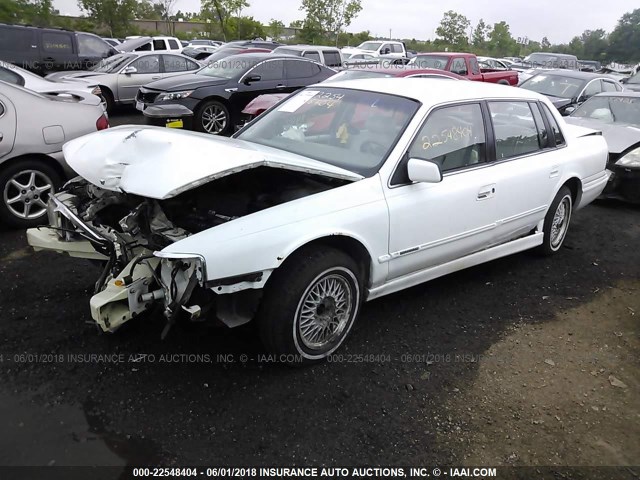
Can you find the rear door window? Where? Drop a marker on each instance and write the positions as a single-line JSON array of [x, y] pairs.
[[312, 55], [158, 44], [173, 45], [54, 42], [514, 129], [301, 69], [459, 66], [147, 64]]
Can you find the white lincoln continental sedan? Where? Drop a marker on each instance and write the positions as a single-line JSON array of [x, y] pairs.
[[340, 194]]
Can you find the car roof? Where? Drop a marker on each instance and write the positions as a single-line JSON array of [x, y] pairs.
[[434, 91], [268, 55], [308, 47], [626, 93], [447, 54], [576, 74]]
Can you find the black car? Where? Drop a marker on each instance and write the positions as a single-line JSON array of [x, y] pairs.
[[617, 116], [212, 99], [45, 50], [567, 88]]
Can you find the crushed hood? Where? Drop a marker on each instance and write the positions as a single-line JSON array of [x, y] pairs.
[[160, 163], [619, 137]]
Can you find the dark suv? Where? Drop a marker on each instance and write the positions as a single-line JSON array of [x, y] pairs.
[[45, 50]]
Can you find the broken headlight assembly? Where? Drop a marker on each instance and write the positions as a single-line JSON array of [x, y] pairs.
[[180, 274]]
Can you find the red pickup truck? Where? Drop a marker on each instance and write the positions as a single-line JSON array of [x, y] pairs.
[[465, 65]]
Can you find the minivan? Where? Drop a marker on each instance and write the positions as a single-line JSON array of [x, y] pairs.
[[45, 50]]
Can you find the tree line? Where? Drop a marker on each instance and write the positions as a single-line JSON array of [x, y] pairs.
[[323, 22], [455, 32]]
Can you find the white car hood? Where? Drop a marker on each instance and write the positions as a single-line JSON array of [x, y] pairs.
[[160, 163]]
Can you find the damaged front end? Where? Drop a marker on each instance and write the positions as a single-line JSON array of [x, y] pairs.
[[127, 234], [124, 233]]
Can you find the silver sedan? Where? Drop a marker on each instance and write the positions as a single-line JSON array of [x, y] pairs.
[[120, 76], [33, 128]]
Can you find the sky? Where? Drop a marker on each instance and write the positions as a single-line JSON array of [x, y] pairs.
[[558, 20]]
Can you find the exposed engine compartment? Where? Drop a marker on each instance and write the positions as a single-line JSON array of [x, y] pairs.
[[135, 220]]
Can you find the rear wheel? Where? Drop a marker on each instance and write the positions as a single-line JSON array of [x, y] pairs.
[[213, 117], [26, 186], [556, 222], [310, 304]]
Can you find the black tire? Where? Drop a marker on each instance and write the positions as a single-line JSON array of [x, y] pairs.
[[503, 82], [21, 171], [202, 122], [553, 238], [107, 98], [287, 293]]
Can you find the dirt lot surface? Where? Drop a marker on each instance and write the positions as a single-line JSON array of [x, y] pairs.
[[522, 361]]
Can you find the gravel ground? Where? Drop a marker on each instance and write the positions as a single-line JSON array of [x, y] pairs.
[[522, 361]]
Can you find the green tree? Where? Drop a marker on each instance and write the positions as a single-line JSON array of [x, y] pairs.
[[501, 43], [330, 16], [113, 14], [453, 30], [595, 44], [276, 28], [545, 44], [245, 27], [624, 40], [221, 11], [35, 12], [145, 10], [480, 36]]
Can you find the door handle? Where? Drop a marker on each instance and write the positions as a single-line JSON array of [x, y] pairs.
[[155, 78], [281, 86], [486, 192], [554, 172]]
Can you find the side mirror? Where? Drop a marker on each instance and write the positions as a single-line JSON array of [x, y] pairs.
[[624, 80], [423, 171], [130, 70], [252, 78], [568, 111]]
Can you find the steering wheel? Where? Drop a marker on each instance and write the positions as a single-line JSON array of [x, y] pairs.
[[373, 148]]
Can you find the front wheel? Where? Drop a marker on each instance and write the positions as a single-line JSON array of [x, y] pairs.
[[213, 117], [310, 305], [556, 222]]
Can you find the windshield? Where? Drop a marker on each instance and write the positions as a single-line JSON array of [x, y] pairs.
[[112, 64], [227, 67], [372, 46], [611, 109], [430, 61], [350, 129], [554, 85], [634, 79]]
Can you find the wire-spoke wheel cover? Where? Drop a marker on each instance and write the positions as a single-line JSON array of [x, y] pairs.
[[326, 311], [560, 223]]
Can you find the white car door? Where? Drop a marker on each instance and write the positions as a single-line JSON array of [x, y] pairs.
[[7, 125], [527, 166], [141, 71], [432, 223]]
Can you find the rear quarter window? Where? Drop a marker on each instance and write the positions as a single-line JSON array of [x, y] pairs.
[[16, 39], [555, 128], [332, 59]]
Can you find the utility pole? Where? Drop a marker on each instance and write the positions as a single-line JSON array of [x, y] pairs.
[[389, 34]]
